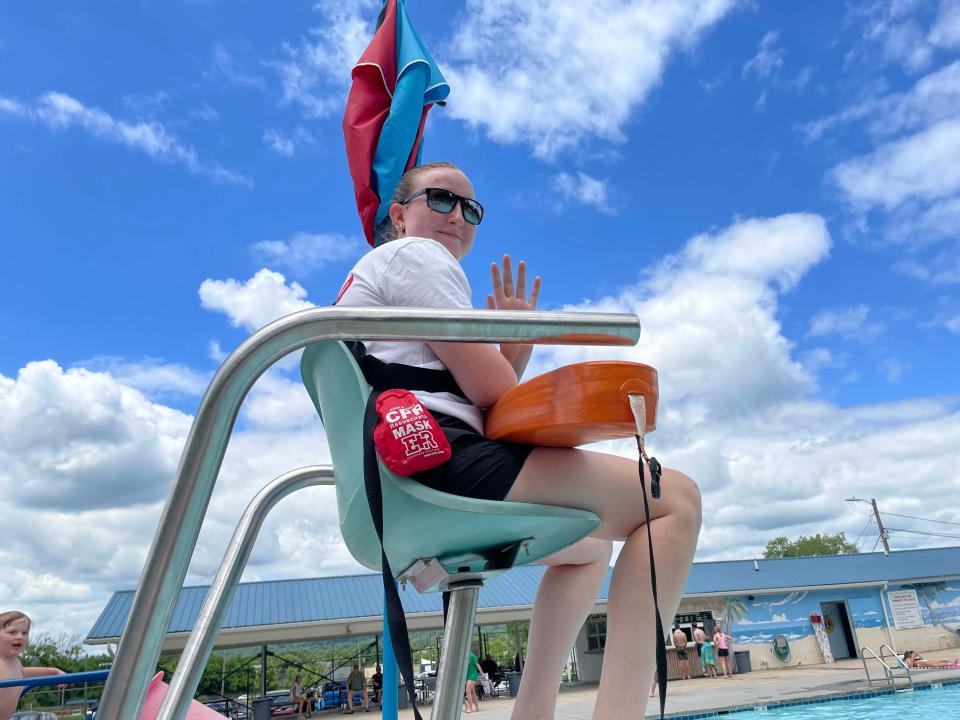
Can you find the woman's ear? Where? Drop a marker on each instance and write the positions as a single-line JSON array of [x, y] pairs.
[[396, 213]]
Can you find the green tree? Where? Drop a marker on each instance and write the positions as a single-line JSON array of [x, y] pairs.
[[804, 546]]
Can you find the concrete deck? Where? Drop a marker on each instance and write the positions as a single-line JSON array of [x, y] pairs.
[[755, 688]]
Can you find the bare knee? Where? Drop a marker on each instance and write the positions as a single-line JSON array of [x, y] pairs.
[[683, 496]]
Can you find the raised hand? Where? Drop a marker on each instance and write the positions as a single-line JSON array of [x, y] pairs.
[[506, 295]]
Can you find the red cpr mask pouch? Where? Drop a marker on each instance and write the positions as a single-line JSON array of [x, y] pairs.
[[407, 437]]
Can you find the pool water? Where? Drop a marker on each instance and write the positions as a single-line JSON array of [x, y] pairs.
[[941, 703]]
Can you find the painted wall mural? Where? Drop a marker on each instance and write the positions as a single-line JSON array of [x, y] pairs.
[[760, 620]]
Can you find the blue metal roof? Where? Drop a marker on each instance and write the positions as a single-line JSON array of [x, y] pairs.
[[356, 596]]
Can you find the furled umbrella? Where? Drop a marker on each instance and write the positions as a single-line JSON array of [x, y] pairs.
[[395, 83]]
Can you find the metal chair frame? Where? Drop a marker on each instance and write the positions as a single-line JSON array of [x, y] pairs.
[[179, 527]]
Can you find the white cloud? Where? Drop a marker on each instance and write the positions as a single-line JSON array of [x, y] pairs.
[[305, 252], [252, 304], [151, 376], [316, 72], [946, 30], [922, 166], [279, 143], [86, 463], [848, 322], [286, 144], [893, 32], [59, 111], [223, 66], [767, 61], [776, 250], [528, 59], [582, 188], [75, 440], [819, 358], [934, 97], [740, 414]]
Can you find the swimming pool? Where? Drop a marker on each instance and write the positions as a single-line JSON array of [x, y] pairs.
[[934, 702]]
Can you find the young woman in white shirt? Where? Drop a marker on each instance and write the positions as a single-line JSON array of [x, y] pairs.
[[434, 219]]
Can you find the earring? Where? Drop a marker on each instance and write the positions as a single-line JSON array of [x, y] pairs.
[[399, 228]]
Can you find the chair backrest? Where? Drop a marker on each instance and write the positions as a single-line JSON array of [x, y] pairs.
[[465, 534], [339, 392]]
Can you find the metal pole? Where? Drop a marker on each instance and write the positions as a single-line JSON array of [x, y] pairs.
[[176, 535], [884, 535], [263, 671], [200, 644], [456, 646], [886, 617], [391, 682]]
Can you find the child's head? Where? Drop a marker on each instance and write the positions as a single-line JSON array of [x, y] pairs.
[[14, 633]]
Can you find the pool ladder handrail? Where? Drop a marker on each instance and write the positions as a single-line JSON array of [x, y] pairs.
[[887, 670]]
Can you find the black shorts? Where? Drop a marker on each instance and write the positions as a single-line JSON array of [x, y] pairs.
[[681, 653], [722, 652], [478, 467]]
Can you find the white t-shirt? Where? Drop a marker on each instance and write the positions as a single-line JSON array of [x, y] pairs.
[[413, 272]]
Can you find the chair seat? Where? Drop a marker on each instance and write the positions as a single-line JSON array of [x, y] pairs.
[[467, 535]]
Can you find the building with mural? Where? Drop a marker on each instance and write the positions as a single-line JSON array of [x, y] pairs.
[[772, 608]]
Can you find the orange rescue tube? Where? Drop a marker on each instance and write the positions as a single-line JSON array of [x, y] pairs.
[[575, 405]]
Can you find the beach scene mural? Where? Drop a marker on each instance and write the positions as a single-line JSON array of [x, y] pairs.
[[765, 617]]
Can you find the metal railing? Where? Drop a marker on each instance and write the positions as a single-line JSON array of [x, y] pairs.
[[176, 537], [889, 674], [189, 670]]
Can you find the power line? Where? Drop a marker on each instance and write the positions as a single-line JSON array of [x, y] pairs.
[[921, 532], [913, 517], [879, 538], [869, 519]]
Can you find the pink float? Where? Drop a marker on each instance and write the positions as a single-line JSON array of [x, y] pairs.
[[155, 693]]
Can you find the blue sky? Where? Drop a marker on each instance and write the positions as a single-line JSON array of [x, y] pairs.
[[772, 187]]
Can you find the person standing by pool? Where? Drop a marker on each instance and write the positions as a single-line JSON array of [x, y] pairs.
[[720, 639], [700, 637], [470, 702], [680, 643]]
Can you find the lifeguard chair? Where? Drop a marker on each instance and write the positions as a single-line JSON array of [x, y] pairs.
[[468, 540]]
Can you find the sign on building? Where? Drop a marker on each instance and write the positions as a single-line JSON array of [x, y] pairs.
[[905, 608]]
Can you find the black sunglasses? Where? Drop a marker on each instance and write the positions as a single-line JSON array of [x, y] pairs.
[[444, 201]]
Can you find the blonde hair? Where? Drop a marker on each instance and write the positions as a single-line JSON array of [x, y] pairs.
[[404, 190], [12, 616]]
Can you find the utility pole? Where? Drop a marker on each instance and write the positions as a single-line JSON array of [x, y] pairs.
[[884, 536]]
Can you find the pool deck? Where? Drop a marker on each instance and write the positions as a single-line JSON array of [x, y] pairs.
[[763, 687]]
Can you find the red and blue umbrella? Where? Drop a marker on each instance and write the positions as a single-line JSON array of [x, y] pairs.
[[395, 83]]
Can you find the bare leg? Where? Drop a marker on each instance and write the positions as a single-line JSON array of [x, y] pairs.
[[609, 486], [567, 592]]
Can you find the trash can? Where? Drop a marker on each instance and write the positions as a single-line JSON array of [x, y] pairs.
[[513, 682], [743, 661], [261, 708], [402, 700]]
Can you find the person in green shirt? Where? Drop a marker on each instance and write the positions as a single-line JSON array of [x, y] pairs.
[[470, 703]]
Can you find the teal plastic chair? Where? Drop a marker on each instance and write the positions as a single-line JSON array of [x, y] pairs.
[[435, 540]]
